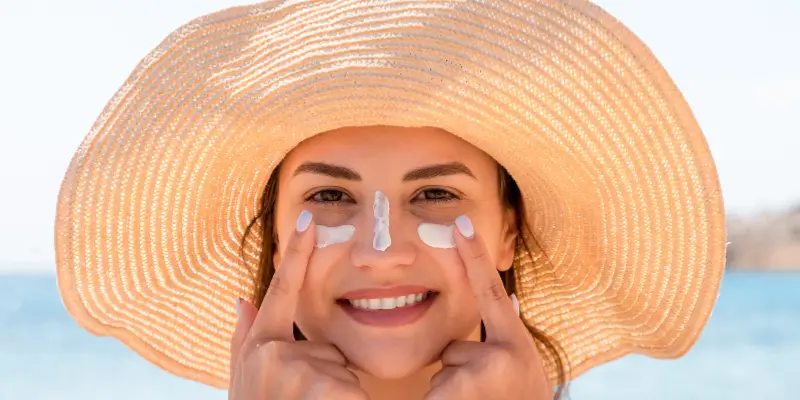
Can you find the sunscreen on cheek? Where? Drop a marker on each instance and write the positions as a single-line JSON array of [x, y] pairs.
[[382, 240], [330, 235], [437, 236]]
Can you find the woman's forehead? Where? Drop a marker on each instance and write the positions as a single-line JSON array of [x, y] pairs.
[[387, 147]]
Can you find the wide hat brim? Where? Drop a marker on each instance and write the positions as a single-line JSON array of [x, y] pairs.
[[620, 189]]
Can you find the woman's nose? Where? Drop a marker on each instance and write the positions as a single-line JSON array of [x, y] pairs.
[[397, 255], [382, 242]]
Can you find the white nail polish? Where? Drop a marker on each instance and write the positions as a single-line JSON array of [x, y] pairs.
[[437, 236], [464, 225], [382, 240], [303, 221]]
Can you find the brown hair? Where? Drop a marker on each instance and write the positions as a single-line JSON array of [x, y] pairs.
[[509, 192]]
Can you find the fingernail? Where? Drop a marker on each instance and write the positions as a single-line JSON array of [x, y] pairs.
[[303, 221], [238, 306], [515, 301], [464, 226]]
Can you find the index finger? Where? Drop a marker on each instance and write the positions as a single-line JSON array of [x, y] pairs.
[[496, 308], [275, 318]]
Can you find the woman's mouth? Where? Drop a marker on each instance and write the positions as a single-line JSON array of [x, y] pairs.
[[389, 303], [387, 307]]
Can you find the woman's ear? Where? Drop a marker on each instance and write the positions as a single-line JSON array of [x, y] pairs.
[[508, 243]]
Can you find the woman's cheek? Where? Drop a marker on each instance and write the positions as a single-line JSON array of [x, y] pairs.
[[322, 264], [448, 260], [438, 240], [317, 295]]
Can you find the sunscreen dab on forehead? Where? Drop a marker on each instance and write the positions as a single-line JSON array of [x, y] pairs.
[[437, 236], [330, 235], [382, 240]]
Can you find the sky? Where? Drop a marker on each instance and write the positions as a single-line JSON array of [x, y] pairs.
[[61, 61]]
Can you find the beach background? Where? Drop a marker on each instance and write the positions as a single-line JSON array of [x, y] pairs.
[[749, 351], [733, 60]]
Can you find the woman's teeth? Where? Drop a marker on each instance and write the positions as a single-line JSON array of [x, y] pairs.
[[388, 303]]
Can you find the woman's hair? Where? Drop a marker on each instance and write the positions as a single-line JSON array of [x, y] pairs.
[[509, 192]]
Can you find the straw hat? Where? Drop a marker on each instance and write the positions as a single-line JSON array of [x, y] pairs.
[[621, 191]]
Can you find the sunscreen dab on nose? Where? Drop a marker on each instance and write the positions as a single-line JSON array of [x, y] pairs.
[[437, 236], [330, 235], [382, 240]]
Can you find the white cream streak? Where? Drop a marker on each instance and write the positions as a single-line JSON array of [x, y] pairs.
[[382, 240], [437, 236], [330, 235]]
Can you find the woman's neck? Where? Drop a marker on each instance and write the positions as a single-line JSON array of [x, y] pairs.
[[411, 387]]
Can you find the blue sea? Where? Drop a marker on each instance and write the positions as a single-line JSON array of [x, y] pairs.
[[750, 350]]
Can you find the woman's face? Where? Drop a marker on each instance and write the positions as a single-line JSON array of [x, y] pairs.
[[427, 176]]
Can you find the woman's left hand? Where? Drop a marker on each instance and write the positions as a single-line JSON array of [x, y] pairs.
[[507, 365]]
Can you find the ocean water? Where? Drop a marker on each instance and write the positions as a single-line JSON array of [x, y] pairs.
[[750, 350]]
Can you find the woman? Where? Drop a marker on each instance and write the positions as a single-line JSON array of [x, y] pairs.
[[384, 307], [440, 200]]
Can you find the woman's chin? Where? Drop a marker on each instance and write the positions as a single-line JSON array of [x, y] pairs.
[[388, 365]]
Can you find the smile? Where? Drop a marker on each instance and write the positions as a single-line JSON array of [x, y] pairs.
[[389, 303], [388, 307]]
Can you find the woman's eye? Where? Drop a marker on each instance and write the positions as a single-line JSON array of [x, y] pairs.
[[435, 195], [329, 196]]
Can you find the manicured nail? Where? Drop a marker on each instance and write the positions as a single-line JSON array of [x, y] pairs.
[[515, 301], [303, 221], [238, 306], [464, 226]]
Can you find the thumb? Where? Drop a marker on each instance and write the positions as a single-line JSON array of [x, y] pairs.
[[246, 313]]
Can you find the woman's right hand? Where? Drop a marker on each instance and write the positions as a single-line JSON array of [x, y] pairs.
[[266, 362]]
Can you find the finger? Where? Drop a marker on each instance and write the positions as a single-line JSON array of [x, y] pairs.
[[459, 353], [275, 319], [497, 310], [451, 383], [246, 314], [441, 378], [319, 351], [333, 389], [335, 370]]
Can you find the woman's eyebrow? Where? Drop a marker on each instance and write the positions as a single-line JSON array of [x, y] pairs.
[[427, 172], [334, 171], [435, 170]]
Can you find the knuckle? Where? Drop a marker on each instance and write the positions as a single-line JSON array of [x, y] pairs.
[[278, 287], [456, 385], [330, 385], [273, 351], [500, 359], [325, 387], [461, 380], [293, 249], [295, 375], [476, 253], [301, 370], [249, 347], [495, 290], [257, 357]]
